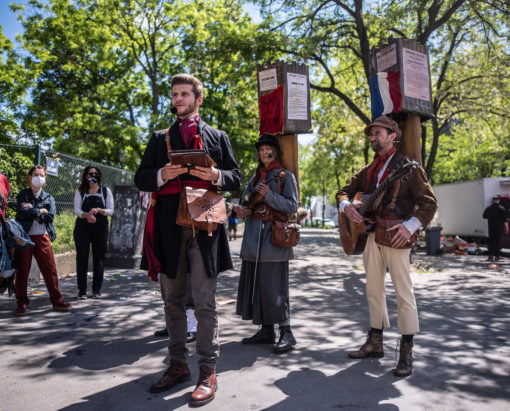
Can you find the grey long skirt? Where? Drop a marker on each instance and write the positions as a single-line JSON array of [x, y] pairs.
[[271, 299]]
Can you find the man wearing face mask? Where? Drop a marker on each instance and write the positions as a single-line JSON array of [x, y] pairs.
[[176, 252], [35, 212]]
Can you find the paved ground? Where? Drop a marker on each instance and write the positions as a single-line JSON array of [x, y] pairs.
[[102, 355]]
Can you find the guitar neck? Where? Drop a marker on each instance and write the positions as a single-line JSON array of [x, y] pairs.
[[367, 204]]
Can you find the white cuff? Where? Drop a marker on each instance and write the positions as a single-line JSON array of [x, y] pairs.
[[412, 225], [220, 181], [342, 205], [160, 179]]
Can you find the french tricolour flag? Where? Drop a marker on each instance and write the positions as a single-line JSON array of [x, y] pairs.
[[385, 93]]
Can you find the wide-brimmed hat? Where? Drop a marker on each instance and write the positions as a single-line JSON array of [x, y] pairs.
[[267, 139], [385, 122]]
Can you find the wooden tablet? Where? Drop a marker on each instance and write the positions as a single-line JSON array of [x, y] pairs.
[[191, 158]]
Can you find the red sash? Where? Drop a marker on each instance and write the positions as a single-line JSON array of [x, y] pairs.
[[171, 187]]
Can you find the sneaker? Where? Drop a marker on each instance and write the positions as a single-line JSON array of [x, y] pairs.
[[20, 310], [96, 295], [82, 296], [62, 306]]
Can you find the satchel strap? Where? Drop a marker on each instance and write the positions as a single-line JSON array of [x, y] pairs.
[[167, 141], [395, 194]]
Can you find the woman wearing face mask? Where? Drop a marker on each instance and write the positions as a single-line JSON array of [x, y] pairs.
[[263, 292], [92, 204], [35, 212]]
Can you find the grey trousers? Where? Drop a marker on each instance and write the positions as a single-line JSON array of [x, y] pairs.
[[203, 290]]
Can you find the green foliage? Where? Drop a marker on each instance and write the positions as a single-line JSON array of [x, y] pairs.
[[102, 70], [468, 46], [64, 226], [15, 167]]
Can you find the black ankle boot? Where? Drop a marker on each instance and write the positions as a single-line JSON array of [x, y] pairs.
[[287, 340], [265, 335]]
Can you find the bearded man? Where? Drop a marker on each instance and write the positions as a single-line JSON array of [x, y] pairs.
[[410, 204], [176, 252]]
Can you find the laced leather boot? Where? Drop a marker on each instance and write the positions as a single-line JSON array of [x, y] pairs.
[[175, 374], [206, 387], [265, 335], [287, 340], [373, 347], [405, 361]]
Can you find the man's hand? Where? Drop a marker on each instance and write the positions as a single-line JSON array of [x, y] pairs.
[[401, 237], [169, 171], [351, 212], [43, 211], [205, 173], [262, 188], [242, 211]]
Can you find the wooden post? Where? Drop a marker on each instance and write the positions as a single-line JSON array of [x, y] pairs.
[[410, 144], [289, 148]]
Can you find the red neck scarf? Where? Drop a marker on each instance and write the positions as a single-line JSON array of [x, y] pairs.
[[188, 129], [377, 165], [261, 173]]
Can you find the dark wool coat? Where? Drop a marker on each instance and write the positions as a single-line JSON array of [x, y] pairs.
[[215, 249], [415, 196]]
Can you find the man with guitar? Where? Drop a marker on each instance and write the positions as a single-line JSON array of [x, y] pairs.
[[404, 206]]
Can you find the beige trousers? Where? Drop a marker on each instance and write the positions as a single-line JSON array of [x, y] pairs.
[[376, 258]]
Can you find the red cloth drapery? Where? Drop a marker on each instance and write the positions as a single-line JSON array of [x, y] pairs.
[[271, 112]]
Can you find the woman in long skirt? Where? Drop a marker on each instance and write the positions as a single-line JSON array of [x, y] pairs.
[[263, 293]]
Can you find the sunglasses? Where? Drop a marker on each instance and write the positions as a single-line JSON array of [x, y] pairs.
[[93, 174]]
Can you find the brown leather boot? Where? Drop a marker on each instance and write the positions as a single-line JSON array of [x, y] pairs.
[[206, 387], [373, 347], [405, 361], [175, 374]]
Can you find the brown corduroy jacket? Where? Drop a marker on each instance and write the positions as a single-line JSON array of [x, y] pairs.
[[415, 197]]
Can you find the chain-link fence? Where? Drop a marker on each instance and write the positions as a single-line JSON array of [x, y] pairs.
[[61, 186]]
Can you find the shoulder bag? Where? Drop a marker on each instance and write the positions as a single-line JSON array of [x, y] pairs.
[[284, 233], [199, 209]]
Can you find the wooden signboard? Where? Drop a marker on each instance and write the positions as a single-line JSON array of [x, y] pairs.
[[409, 61], [284, 98]]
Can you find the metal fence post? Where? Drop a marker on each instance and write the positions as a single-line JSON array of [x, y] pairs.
[[37, 151]]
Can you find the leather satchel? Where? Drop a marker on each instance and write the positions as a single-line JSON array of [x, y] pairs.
[[383, 236], [284, 234], [201, 209]]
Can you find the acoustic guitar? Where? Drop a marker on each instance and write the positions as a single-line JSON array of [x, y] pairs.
[[353, 236]]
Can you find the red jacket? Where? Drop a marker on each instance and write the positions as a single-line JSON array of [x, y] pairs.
[[5, 187]]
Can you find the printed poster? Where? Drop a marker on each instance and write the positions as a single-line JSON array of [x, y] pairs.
[[51, 167], [297, 96], [416, 74], [267, 80], [386, 58]]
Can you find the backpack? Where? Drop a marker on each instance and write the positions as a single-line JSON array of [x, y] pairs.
[[12, 237]]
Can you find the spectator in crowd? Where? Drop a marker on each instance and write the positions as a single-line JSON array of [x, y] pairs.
[[232, 223], [496, 219], [35, 212], [93, 203], [5, 187]]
